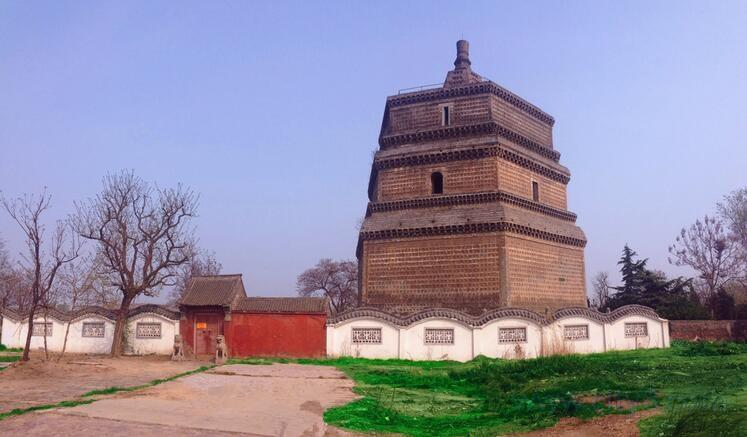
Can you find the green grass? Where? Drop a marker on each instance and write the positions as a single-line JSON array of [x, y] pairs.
[[705, 418], [112, 390], [63, 404], [9, 358], [257, 361], [492, 396], [4, 348]]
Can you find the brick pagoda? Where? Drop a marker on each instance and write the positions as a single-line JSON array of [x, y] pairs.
[[468, 204]]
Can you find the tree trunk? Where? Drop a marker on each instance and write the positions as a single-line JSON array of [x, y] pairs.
[[26, 348], [119, 328], [67, 330], [64, 343], [46, 351]]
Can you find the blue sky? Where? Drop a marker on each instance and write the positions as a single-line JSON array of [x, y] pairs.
[[271, 110]]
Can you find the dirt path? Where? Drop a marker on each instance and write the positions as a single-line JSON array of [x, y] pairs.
[[45, 382], [273, 400], [613, 425]]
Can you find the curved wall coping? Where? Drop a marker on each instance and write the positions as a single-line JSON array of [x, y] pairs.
[[109, 314], [489, 316]]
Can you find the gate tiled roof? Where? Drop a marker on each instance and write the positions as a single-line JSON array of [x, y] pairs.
[[306, 305], [213, 290]]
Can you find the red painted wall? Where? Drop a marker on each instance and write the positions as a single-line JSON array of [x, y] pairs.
[[187, 330], [277, 335]]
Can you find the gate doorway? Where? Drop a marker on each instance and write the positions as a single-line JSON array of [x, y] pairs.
[[207, 327]]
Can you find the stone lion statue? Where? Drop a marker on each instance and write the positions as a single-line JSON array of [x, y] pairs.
[[221, 350], [178, 354]]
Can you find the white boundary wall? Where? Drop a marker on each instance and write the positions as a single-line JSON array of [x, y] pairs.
[[14, 334], [405, 339]]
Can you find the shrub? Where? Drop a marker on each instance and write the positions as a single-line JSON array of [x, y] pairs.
[[706, 419], [4, 348], [708, 348]]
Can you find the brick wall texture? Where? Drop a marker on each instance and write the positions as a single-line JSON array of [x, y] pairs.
[[462, 252], [466, 111], [712, 330], [469, 176], [450, 271], [543, 276]]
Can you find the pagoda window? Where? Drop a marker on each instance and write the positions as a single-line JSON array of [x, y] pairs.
[[535, 191], [437, 183], [446, 116]]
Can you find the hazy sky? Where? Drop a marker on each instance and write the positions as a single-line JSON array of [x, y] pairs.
[[271, 110]]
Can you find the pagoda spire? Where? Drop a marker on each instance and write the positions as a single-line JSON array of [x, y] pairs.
[[462, 59], [462, 73]]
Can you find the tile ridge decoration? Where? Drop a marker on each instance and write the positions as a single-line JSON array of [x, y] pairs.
[[627, 310], [94, 310], [472, 198], [510, 312], [475, 88], [441, 313], [362, 312], [154, 309], [633, 310], [489, 316], [491, 127], [111, 314], [10, 314]]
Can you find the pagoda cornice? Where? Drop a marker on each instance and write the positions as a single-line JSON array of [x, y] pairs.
[[471, 153], [469, 90], [471, 198], [471, 228], [488, 128]]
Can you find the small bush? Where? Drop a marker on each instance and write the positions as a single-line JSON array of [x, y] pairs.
[[9, 358], [708, 348], [4, 348], [701, 419]]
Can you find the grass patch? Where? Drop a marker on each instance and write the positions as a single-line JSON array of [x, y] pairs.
[[4, 348], [63, 404], [257, 361], [703, 418], [112, 390], [494, 396], [9, 358]]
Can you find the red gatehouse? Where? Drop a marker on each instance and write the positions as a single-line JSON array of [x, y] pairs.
[[252, 326]]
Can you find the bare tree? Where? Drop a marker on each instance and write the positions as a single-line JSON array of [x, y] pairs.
[[78, 282], [733, 210], [143, 236], [336, 280], [706, 248], [600, 290], [200, 263], [6, 275], [42, 263], [15, 289]]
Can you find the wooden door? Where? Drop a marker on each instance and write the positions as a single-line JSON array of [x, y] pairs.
[[207, 327]]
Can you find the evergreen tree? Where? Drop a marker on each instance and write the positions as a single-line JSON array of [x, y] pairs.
[[672, 299], [635, 279]]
